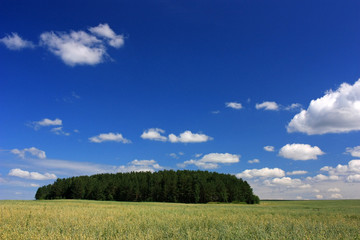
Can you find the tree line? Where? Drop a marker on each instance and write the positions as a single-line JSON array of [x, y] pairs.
[[182, 186]]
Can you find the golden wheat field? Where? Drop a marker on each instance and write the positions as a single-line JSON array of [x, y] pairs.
[[80, 219]]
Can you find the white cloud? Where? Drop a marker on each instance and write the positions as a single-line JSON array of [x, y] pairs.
[[336, 112], [333, 190], [322, 177], [103, 30], [220, 158], [262, 173], [15, 42], [189, 137], [34, 185], [254, 161], [281, 187], [140, 166], [293, 106], [212, 160], [107, 137], [200, 164], [59, 131], [272, 106], [174, 155], [353, 178], [234, 105], [299, 172], [269, 148], [319, 196], [33, 151], [17, 172], [336, 196], [74, 168], [355, 151], [284, 181], [46, 122], [80, 47], [185, 137], [75, 48], [350, 170], [154, 134], [215, 112], [297, 151]]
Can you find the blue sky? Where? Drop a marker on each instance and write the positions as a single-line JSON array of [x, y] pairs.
[[265, 90]]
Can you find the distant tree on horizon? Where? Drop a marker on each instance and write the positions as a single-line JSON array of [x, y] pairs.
[[182, 186]]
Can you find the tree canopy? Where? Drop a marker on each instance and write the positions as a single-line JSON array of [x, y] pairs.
[[182, 186]]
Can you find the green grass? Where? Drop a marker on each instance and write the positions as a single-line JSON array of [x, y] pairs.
[[79, 219]]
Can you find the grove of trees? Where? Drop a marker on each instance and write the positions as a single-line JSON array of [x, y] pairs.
[[180, 186]]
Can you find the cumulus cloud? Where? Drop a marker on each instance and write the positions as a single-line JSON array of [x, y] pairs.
[[33, 151], [284, 181], [103, 30], [353, 167], [262, 173], [185, 137], [15, 42], [212, 160], [154, 134], [74, 48], [349, 172], [319, 196], [254, 161], [336, 196], [297, 151], [46, 122], [336, 112], [355, 151], [271, 106], [234, 105], [353, 178], [322, 177], [299, 172], [17, 172], [80, 47], [109, 137], [333, 190], [269, 148], [189, 137]]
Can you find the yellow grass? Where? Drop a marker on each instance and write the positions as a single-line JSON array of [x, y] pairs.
[[75, 219]]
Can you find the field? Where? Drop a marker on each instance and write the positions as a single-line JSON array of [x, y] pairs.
[[75, 219]]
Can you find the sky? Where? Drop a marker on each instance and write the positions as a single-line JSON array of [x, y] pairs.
[[268, 91]]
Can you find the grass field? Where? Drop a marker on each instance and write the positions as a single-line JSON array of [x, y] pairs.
[[75, 219]]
